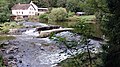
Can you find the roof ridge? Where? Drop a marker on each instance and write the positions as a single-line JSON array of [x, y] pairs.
[[20, 6]]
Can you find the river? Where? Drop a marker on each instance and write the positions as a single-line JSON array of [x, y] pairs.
[[29, 51]]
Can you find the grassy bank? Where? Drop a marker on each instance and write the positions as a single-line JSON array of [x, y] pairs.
[[4, 37], [5, 27]]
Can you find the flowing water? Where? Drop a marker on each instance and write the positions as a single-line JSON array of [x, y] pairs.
[[38, 52]]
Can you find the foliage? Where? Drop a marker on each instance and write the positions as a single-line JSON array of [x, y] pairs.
[[45, 3], [88, 17], [112, 30], [1, 62], [71, 14], [73, 5], [73, 18], [93, 6], [5, 30], [4, 17], [58, 14], [83, 61], [61, 3], [11, 25], [83, 28], [43, 18], [8, 25], [4, 11]]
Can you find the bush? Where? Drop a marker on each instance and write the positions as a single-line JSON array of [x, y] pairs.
[[58, 14], [1, 61], [13, 25], [73, 18], [71, 14], [43, 18], [6, 30]]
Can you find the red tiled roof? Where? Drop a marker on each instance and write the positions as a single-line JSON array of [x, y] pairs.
[[21, 6]]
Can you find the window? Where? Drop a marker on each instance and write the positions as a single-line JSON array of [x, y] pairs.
[[31, 9], [17, 12], [29, 12]]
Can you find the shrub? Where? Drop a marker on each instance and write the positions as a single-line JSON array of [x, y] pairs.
[[5, 30], [13, 24], [1, 61], [71, 14], [73, 18], [6, 24], [43, 18], [58, 14]]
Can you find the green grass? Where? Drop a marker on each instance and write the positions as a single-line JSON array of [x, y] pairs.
[[88, 17], [4, 37]]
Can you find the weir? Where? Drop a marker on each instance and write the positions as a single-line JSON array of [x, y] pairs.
[[46, 31]]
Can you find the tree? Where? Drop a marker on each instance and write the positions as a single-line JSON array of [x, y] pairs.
[[45, 3], [61, 3], [4, 11], [112, 26], [58, 14], [73, 5]]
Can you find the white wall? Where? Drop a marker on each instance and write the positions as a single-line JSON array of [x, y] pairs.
[[29, 11], [36, 8]]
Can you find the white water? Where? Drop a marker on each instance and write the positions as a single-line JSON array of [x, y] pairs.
[[45, 59], [31, 32]]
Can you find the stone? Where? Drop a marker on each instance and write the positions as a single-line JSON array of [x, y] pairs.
[[11, 50], [42, 48], [5, 61], [20, 61], [6, 43], [11, 57]]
